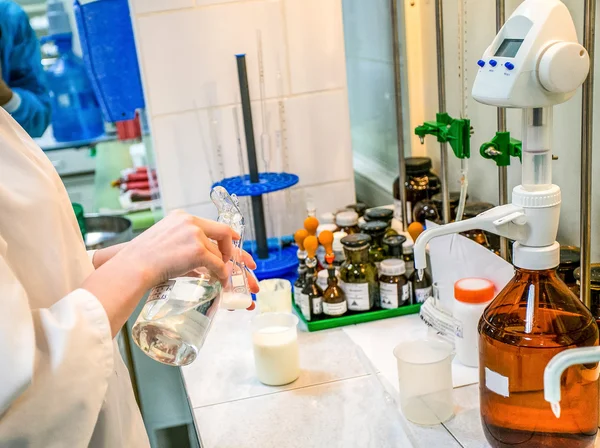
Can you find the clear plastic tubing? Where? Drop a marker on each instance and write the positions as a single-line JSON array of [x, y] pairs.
[[537, 149]]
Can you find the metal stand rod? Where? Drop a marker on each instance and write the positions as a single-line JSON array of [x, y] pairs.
[[587, 116], [441, 72], [399, 116], [502, 170], [258, 211]]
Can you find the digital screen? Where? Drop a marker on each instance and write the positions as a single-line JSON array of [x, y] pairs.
[[508, 48]]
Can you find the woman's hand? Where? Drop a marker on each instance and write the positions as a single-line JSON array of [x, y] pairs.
[[181, 243], [174, 246]]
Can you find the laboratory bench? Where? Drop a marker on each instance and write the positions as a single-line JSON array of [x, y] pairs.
[[345, 396]]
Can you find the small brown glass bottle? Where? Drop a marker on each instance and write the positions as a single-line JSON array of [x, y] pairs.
[[394, 287], [438, 202], [417, 186], [376, 230], [422, 288], [392, 246], [300, 281], [311, 303], [334, 299], [424, 211]]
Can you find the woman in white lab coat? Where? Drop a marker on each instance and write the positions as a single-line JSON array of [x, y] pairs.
[[62, 380]]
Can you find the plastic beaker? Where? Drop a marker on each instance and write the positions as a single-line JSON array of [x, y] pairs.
[[275, 296], [425, 380], [275, 343]]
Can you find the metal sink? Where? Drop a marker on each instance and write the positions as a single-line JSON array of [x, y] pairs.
[[105, 231]]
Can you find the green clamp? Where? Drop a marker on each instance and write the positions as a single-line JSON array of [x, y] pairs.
[[501, 148], [456, 131]]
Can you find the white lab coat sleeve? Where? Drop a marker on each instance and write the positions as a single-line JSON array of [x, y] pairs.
[[54, 366]]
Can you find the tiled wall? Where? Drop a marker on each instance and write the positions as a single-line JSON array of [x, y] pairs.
[[187, 52]]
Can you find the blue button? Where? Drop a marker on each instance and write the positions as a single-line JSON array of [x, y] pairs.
[[509, 65], [493, 62], [481, 63]]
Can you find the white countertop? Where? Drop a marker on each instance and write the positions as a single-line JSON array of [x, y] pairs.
[[345, 396]]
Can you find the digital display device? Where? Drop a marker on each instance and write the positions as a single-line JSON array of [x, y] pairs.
[[509, 48]]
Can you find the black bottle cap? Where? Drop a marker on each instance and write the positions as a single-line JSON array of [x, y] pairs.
[[418, 165], [379, 214], [374, 227], [359, 208], [570, 256], [594, 277], [394, 240], [473, 209], [356, 241]]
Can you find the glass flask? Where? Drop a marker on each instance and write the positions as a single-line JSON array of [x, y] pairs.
[[176, 318], [534, 318]]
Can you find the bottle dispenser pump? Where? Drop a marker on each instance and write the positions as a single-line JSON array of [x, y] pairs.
[[534, 63]]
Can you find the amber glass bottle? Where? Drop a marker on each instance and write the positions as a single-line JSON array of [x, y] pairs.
[[534, 318]]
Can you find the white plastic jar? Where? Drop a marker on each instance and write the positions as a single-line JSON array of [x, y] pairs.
[[471, 297]]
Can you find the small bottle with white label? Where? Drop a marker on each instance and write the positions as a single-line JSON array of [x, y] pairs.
[[422, 288], [359, 275], [311, 299], [471, 297], [334, 299], [394, 287]]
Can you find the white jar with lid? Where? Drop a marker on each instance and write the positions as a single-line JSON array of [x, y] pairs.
[[471, 297], [347, 221]]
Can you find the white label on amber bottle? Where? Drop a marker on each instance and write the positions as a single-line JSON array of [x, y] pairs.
[[357, 296], [317, 305], [389, 295], [406, 293], [335, 309], [423, 294], [304, 303], [496, 383], [297, 294]]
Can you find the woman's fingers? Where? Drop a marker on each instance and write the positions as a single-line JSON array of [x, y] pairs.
[[215, 264], [252, 283], [248, 260], [216, 230]]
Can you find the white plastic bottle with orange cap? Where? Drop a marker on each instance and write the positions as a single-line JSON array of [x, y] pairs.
[[471, 297]]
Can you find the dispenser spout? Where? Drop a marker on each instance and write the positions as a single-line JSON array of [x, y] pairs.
[[506, 220], [558, 365]]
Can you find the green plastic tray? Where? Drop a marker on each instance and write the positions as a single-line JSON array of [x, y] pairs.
[[358, 318]]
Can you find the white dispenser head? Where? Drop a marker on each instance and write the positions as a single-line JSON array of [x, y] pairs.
[[534, 61]]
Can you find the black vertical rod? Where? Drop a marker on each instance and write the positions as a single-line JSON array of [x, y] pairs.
[[258, 210]]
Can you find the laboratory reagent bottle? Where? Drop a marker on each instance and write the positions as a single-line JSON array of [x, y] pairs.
[[358, 275], [394, 287], [334, 299], [532, 319]]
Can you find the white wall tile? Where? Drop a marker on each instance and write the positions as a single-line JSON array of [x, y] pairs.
[[189, 56], [146, 6], [316, 44], [319, 137], [206, 210], [181, 144]]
